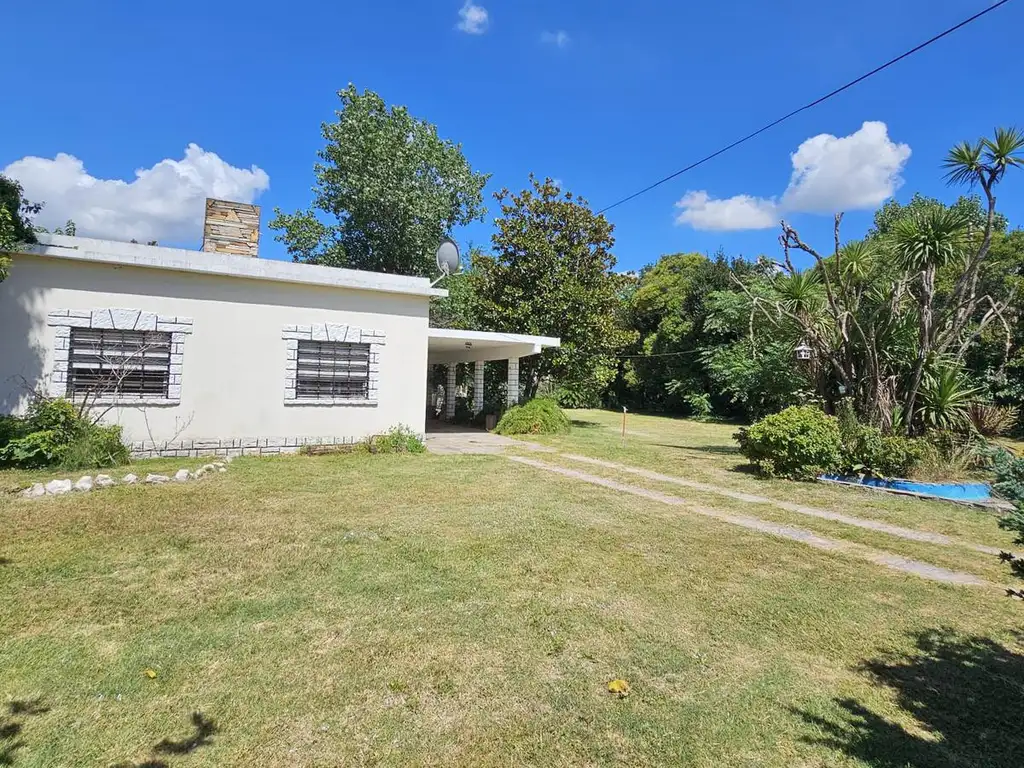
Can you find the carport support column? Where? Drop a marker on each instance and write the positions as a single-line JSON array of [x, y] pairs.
[[449, 393], [513, 381], [478, 386]]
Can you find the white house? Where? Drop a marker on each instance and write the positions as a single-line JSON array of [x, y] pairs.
[[214, 351]]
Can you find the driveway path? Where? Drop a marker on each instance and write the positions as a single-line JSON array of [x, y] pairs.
[[824, 514], [880, 557]]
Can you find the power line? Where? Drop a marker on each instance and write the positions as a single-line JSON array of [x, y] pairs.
[[659, 354], [814, 103]]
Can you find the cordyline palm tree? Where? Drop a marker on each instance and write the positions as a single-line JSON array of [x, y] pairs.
[[946, 395], [938, 237], [922, 245]]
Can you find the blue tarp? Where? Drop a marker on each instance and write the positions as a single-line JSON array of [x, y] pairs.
[[956, 491]]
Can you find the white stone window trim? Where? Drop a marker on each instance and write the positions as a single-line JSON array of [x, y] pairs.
[[63, 320], [339, 332]]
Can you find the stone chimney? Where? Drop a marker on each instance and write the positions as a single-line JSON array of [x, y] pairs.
[[231, 228]]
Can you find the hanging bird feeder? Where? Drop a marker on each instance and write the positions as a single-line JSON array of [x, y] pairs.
[[803, 352]]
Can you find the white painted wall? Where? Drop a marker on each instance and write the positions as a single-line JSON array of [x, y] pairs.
[[234, 364]]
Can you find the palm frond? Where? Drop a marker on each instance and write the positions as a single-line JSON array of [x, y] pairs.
[[1003, 151], [858, 258], [964, 163], [935, 237], [946, 394], [800, 293]]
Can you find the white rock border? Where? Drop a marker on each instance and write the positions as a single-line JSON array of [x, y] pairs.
[[86, 483]]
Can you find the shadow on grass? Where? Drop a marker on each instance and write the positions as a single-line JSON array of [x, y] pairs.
[[720, 450], [966, 694], [11, 725], [5, 561], [203, 731], [581, 424]]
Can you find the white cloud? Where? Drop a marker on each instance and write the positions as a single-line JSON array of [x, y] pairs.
[[859, 171], [165, 202], [700, 211], [473, 19], [559, 39]]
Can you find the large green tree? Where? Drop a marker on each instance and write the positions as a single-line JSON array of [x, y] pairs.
[[15, 220], [670, 308], [551, 273], [387, 190]]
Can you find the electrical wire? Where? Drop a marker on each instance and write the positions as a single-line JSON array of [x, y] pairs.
[[805, 107]]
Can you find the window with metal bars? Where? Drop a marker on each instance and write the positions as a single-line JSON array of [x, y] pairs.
[[329, 370], [106, 361]]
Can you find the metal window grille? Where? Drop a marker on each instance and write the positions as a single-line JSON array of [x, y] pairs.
[[328, 370], [105, 361]]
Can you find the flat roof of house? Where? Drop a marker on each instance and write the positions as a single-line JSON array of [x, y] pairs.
[[448, 345], [87, 249]]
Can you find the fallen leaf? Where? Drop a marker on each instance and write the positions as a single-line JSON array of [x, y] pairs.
[[619, 687], [150, 673]]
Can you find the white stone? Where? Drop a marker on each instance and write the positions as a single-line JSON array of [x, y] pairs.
[[34, 491], [102, 318], [208, 467], [58, 487], [104, 481], [182, 475], [130, 479], [146, 321], [222, 469], [218, 464], [84, 483], [156, 479]]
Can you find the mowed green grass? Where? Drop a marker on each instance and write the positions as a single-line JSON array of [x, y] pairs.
[[466, 610], [707, 452]]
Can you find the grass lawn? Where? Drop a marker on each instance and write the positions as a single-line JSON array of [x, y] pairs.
[[467, 610]]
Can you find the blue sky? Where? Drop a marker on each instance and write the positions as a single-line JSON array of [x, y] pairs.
[[604, 96]]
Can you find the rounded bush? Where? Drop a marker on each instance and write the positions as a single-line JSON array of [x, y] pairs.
[[541, 416], [800, 442]]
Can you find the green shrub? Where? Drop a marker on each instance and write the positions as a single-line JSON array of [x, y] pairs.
[[58, 416], [53, 434], [95, 446], [871, 452], [540, 416], [700, 405], [36, 449], [1009, 483], [11, 427], [866, 450], [800, 442], [398, 439]]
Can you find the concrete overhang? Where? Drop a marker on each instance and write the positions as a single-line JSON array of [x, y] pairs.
[[447, 345]]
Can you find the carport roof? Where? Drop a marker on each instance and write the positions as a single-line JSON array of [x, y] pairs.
[[448, 345]]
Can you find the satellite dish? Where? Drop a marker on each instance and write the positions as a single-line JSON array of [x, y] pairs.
[[448, 257]]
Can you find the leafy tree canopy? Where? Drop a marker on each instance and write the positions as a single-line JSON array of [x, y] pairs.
[[967, 206], [15, 220], [551, 273], [391, 186]]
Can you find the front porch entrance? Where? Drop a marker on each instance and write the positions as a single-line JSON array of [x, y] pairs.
[[450, 347]]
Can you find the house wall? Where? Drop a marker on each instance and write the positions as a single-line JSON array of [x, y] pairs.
[[234, 360]]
